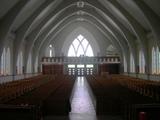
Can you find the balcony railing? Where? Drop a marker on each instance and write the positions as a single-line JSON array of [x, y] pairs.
[[79, 60]]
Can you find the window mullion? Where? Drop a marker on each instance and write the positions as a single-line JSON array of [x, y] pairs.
[[74, 49], [86, 48], [78, 46]]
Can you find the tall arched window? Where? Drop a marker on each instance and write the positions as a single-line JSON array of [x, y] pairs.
[[29, 64], [157, 60], [125, 64], [20, 63], [153, 61], [132, 64], [1, 65], [3, 62], [80, 47], [141, 62], [50, 51], [8, 62], [36, 65]]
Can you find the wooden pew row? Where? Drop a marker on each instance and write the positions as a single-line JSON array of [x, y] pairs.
[[17, 82], [145, 112], [18, 88], [37, 95], [59, 87], [144, 87], [98, 94], [58, 103], [124, 97], [112, 97], [19, 112]]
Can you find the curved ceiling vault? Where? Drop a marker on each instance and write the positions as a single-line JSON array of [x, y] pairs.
[[124, 23]]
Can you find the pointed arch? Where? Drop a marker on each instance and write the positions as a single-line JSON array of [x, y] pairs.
[[74, 34], [80, 47]]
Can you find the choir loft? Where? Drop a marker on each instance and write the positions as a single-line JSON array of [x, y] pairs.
[[79, 59]]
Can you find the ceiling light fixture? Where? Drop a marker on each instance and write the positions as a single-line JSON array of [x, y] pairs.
[[80, 12], [80, 4]]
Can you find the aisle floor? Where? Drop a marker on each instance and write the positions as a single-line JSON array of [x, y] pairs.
[[82, 102]]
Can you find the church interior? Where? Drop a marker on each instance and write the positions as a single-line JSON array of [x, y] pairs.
[[79, 59]]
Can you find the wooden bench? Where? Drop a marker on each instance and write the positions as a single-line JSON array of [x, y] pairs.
[[115, 96], [60, 87], [19, 112]]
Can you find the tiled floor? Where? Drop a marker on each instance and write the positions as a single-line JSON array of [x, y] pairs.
[[82, 107]]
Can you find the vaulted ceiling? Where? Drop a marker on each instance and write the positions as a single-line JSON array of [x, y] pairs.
[[37, 23]]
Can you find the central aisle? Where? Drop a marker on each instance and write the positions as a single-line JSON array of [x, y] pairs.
[[82, 107], [82, 102]]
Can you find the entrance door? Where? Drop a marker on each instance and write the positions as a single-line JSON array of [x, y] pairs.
[[89, 69], [71, 69], [80, 70]]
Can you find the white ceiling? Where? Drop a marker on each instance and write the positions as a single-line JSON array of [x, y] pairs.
[[6, 5], [117, 17], [133, 10], [154, 5]]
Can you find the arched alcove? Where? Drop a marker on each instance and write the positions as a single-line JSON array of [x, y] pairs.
[[80, 31]]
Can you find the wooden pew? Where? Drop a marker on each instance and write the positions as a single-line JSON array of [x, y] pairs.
[[144, 112], [19, 112], [118, 94], [60, 87], [13, 90], [58, 103]]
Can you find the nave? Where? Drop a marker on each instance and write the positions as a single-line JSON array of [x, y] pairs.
[[46, 44]]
